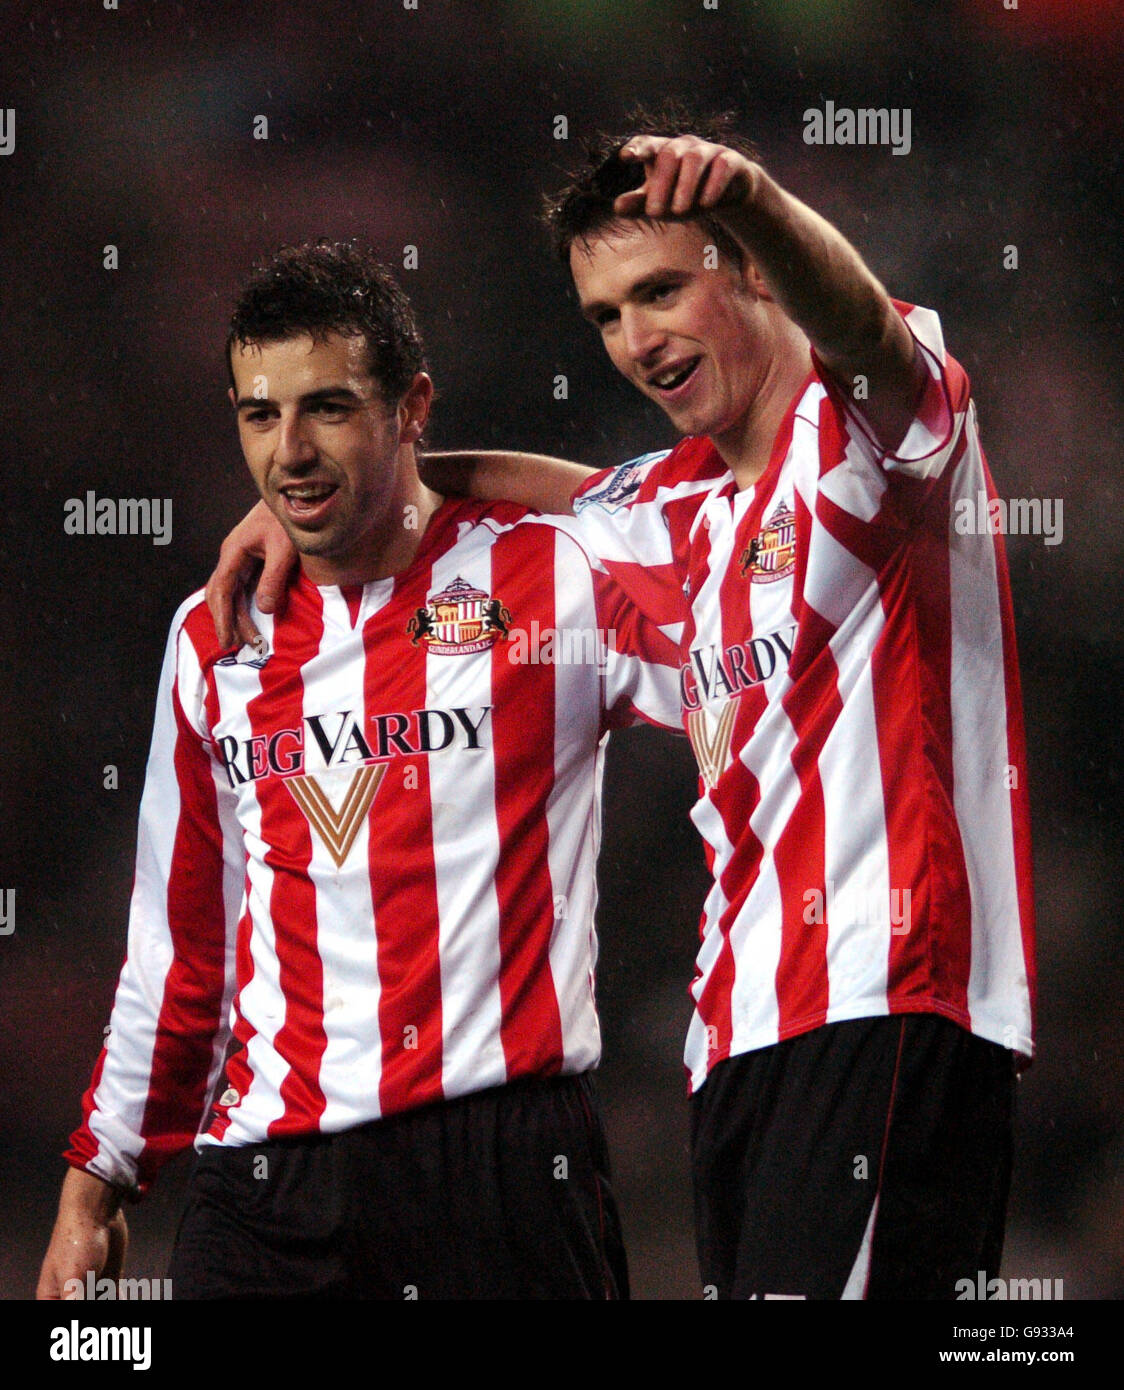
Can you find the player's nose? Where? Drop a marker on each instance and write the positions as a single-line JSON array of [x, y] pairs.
[[642, 336], [292, 443]]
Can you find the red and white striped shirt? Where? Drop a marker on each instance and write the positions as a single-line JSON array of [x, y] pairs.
[[366, 865], [850, 686]]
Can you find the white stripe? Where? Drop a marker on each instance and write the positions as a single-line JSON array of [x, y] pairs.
[[260, 1003], [351, 1067], [466, 851], [855, 1287], [998, 994], [573, 815], [856, 844]]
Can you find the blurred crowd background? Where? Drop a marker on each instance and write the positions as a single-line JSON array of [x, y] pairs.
[[434, 126]]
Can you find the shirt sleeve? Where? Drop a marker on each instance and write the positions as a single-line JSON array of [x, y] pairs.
[[637, 663], [621, 521], [165, 1045], [863, 469], [641, 662]]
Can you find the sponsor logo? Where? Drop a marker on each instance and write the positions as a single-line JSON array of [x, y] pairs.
[[246, 656], [348, 757], [459, 620], [293, 752], [337, 827], [710, 739], [771, 554], [712, 674], [620, 486]]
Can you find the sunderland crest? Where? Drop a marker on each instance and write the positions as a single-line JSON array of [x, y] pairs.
[[771, 554], [459, 620]]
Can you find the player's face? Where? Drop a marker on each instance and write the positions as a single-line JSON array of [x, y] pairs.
[[322, 446], [692, 338]]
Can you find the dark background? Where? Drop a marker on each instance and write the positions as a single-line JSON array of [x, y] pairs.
[[435, 127]]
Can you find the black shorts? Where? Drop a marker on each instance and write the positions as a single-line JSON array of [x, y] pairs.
[[865, 1159], [500, 1194]]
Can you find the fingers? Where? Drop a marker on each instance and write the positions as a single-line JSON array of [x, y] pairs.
[[280, 561], [684, 175], [226, 581], [258, 534], [248, 635]]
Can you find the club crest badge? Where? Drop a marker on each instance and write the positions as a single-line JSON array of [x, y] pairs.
[[771, 554], [459, 620]]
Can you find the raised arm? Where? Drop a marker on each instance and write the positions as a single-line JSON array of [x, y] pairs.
[[530, 480], [809, 268]]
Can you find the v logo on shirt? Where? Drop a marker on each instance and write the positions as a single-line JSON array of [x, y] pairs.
[[337, 829], [712, 750]]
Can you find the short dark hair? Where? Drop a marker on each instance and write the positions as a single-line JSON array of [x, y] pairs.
[[327, 287], [583, 208]]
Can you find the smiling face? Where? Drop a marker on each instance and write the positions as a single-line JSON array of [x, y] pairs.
[[695, 340], [324, 449]]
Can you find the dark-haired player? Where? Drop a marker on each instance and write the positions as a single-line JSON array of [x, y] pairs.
[[849, 682], [361, 946]]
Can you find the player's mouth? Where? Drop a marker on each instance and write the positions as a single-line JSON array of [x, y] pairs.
[[306, 503], [673, 381]]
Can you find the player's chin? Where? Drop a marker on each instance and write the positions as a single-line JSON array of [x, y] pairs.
[[311, 541]]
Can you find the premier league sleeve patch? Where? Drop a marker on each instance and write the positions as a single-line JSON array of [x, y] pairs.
[[619, 487]]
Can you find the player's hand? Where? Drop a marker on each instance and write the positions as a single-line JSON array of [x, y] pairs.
[[90, 1235], [685, 175], [259, 536]]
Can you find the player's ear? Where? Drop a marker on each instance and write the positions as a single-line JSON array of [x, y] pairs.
[[753, 281], [232, 397], [413, 409]]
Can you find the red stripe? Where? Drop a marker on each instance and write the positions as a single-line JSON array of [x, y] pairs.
[[237, 1072], [301, 1039], [83, 1145], [912, 689], [400, 857], [190, 1011], [812, 704], [531, 1026], [738, 792], [654, 589]]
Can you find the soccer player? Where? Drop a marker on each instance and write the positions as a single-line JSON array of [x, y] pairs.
[[848, 674], [361, 945]]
